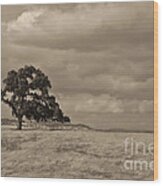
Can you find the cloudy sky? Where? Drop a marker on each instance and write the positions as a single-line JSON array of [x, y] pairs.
[[99, 58]]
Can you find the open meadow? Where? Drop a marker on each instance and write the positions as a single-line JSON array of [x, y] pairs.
[[81, 153]]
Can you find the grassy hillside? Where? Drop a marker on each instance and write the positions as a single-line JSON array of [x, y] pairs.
[[69, 154]]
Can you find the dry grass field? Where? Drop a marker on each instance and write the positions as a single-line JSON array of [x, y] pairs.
[[70, 154]]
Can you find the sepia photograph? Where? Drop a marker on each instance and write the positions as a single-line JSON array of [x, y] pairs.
[[77, 90]]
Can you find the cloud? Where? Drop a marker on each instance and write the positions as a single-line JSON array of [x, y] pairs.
[[103, 103], [74, 72], [146, 106], [58, 28], [98, 104], [25, 22]]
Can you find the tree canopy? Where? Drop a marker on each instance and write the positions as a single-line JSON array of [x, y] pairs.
[[26, 92]]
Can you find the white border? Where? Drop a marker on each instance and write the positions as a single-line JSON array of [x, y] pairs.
[[62, 1]]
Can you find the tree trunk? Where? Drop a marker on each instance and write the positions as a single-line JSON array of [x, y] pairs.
[[19, 126]]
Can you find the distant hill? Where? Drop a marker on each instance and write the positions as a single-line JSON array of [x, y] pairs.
[[68, 126], [5, 121]]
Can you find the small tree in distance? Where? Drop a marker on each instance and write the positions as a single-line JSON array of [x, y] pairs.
[[66, 119], [26, 92]]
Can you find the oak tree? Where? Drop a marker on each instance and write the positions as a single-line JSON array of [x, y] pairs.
[[26, 92]]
